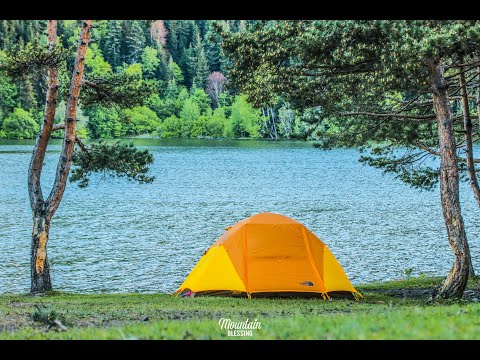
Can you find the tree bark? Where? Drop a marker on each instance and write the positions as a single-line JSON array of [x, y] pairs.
[[274, 126], [40, 281], [455, 283], [468, 127], [39, 150], [40, 270], [65, 161], [478, 91]]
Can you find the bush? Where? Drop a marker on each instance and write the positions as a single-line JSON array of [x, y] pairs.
[[140, 120], [244, 120], [20, 125], [103, 123], [200, 127], [163, 107], [171, 127], [216, 123]]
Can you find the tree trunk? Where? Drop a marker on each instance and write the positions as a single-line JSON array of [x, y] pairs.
[[40, 271], [467, 124], [40, 281], [478, 91], [468, 127], [455, 283], [274, 126], [43, 211], [65, 161]]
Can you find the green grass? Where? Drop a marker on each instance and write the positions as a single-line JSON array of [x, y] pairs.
[[160, 316]]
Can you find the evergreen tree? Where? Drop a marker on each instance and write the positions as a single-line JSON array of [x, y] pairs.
[[134, 41], [197, 64], [201, 66], [26, 98], [172, 38], [213, 50], [150, 62], [186, 32], [189, 60], [112, 46], [202, 27]]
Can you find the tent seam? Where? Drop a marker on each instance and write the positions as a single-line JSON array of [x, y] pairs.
[[310, 259], [245, 261]]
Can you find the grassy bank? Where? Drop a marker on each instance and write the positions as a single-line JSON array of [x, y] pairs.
[[393, 310]]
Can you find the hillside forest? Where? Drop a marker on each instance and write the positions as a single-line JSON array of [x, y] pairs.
[[181, 60]]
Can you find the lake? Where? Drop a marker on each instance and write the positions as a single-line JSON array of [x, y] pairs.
[[118, 236]]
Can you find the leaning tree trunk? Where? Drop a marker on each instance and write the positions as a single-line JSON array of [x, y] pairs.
[[43, 211], [65, 161], [468, 128], [455, 283], [40, 270]]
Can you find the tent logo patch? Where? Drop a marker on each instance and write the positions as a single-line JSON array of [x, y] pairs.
[[306, 283]]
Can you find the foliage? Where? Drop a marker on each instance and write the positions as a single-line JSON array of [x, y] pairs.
[[126, 89], [104, 123], [95, 65], [20, 125], [140, 120], [32, 58], [216, 124], [8, 94], [171, 127], [116, 159], [358, 82], [150, 61], [160, 64], [244, 120]]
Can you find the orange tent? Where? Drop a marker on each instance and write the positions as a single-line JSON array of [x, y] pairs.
[[268, 254]]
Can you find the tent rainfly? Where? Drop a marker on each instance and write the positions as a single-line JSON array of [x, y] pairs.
[[268, 255]]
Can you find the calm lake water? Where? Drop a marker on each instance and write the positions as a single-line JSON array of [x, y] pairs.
[[118, 236]]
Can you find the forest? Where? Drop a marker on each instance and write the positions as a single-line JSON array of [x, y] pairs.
[[182, 63]]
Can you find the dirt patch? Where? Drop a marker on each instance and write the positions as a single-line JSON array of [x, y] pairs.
[[424, 293]]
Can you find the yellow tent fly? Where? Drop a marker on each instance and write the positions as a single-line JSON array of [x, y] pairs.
[[268, 255]]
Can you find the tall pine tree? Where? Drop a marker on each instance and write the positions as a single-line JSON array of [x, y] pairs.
[[112, 45], [213, 50], [197, 65], [134, 41]]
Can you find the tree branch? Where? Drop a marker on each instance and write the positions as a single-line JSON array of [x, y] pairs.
[[58, 127], [436, 153], [82, 146], [387, 115]]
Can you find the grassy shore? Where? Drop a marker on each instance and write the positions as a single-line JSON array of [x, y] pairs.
[[393, 310]]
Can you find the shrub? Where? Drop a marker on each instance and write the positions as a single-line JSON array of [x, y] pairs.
[[20, 125]]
